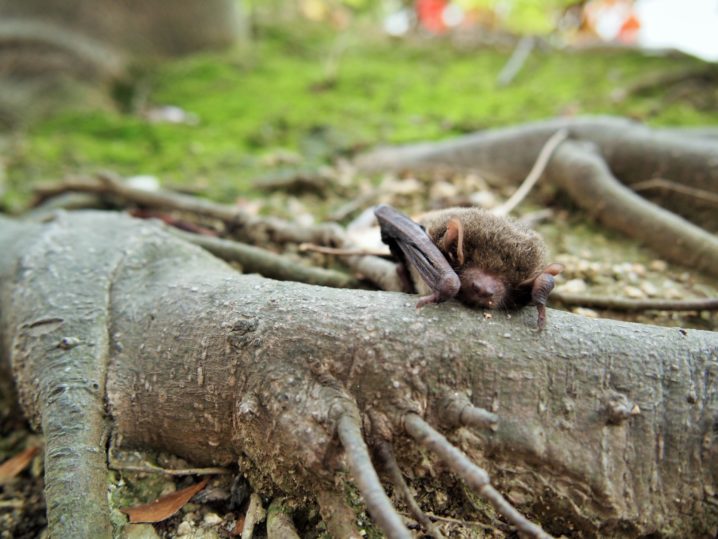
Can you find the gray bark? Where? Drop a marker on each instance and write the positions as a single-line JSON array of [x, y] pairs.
[[218, 367]]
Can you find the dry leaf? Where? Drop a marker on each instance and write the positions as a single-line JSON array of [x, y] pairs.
[[238, 526], [163, 507], [13, 466]]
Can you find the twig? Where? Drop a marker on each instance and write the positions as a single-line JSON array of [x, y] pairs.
[[257, 260], [392, 467], [516, 62], [109, 185], [623, 304], [148, 468], [668, 185], [474, 476], [466, 523], [339, 252], [367, 481], [533, 176]]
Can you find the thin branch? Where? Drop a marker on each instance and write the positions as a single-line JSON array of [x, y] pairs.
[[388, 459], [364, 474], [311, 247], [668, 185], [151, 469], [518, 58], [475, 477], [257, 260], [623, 304], [533, 176], [110, 185]]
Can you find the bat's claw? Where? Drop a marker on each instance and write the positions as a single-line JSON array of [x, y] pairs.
[[431, 298]]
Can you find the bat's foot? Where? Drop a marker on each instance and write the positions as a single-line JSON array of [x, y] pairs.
[[541, 322]]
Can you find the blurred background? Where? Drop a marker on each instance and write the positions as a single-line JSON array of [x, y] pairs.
[[207, 96]]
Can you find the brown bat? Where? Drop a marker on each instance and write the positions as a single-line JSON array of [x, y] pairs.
[[482, 259]]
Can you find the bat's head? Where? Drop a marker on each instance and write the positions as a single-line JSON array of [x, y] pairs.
[[482, 289]]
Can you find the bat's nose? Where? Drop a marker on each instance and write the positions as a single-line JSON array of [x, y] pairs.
[[484, 289]]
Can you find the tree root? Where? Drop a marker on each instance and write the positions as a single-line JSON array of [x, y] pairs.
[[633, 305], [300, 382], [587, 167]]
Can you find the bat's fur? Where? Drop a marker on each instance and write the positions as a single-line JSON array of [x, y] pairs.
[[496, 245]]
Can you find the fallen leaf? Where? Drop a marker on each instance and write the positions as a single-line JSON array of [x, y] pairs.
[[164, 507], [238, 526], [13, 466]]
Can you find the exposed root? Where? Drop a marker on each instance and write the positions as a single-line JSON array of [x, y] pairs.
[[602, 151], [475, 477], [257, 260], [279, 522], [591, 184], [392, 468], [367, 480], [337, 515], [457, 411], [710, 197], [622, 304], [112, 187]]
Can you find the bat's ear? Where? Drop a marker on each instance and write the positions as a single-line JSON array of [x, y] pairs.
[[453, 241], [554, 269]]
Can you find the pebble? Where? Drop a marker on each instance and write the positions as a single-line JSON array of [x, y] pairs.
[[574, 286], [649, 289], [658, 265], [633, 292], [185, 528], [211, 519], [583, 311]]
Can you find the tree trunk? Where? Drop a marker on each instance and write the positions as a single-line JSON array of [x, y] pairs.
[[606, 428], [56, 51]]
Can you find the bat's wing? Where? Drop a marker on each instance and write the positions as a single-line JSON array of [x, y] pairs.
[[411, 245]]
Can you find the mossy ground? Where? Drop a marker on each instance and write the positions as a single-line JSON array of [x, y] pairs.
[[319, 93]]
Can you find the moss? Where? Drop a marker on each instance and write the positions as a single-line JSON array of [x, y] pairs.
[[287, 87]]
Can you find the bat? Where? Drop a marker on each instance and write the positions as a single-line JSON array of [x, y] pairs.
[[482, 259]]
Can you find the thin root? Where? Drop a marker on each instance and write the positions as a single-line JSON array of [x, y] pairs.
[[366, 479], [475, 477], [457, 411], [392, 468], [623, 304]]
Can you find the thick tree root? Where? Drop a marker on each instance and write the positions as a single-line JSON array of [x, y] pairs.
[[298, 383], [588, 168]]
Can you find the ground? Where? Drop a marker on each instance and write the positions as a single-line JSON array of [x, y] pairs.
[[302, 99]]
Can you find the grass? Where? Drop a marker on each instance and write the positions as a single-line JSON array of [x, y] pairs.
[[280, 94]]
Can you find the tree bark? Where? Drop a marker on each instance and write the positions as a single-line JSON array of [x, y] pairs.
[[606, 428]]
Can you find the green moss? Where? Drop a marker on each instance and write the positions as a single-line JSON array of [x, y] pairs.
[[279, 93]]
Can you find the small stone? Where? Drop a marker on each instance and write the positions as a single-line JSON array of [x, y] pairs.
[[185, 528], [583, 311], [574, 286], [139, 531], [649, 289], [633, 292], [658, 265], [441, 190], [211, 519], [638, 269], [483, 199]]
